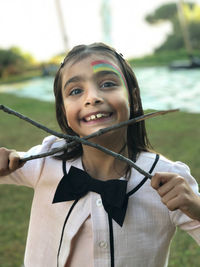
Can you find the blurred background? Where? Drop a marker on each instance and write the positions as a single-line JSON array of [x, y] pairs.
[[161, 41], [152, 35]]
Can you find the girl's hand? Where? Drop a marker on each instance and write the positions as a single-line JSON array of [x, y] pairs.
[[176, 193], [9, 161]]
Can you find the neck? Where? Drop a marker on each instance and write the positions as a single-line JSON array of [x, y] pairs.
[[101, 165]]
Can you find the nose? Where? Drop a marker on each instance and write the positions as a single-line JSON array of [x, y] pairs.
[[93, 97]]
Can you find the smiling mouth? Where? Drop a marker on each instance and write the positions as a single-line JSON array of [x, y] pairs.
[[97, 116]]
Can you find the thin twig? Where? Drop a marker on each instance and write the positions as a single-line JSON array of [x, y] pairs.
[[98, 133], [84, 141]]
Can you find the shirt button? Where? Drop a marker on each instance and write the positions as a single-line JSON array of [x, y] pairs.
[[103, 244], [99, 202]]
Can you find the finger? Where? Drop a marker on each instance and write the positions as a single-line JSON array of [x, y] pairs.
[[168, 186], [170, 195], [177, 202], [14, 161], [173, 204], [160, 178], [176, 185], [9, 161], [4, 153], [168, 182]]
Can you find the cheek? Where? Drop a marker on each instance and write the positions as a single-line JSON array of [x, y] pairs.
[[126, 95], [121, 103]]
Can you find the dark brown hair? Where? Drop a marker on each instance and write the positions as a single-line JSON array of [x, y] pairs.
[[136, 133]]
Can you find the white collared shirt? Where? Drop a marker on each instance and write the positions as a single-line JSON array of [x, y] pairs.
[[144, 238]]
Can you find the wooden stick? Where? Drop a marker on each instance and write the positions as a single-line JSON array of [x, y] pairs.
[[98, 133], [84, 141]]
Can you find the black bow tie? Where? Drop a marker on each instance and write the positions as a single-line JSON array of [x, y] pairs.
[[78, 183]]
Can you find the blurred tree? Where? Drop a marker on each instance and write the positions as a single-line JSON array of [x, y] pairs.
[[162, 13], [57, 59], [192, 12], [14, 61], [169, 13]]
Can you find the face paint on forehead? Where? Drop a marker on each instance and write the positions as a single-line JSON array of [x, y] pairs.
[[101, 65]]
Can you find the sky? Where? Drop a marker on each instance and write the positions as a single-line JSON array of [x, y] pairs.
[[33, 25]]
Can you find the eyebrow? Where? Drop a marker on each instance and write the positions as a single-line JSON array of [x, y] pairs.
[[74, 80], [106, 72]]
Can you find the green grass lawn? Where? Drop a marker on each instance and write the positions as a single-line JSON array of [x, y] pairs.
[[175, 135]]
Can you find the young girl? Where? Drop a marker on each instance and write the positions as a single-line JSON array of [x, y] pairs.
[[90, 209]]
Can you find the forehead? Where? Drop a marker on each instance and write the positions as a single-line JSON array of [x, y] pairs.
[[94, 61]]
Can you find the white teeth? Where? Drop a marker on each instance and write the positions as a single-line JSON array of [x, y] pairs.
[[97, 116], [93, 117]]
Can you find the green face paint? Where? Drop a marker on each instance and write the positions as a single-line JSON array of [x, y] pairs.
[[103, 65]]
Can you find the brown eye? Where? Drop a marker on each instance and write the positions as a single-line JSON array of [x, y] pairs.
[[108, 84], [76, 91]]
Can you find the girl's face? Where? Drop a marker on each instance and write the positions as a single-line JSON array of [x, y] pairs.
[[95, 94]]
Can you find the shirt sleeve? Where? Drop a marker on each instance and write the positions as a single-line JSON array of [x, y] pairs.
[[29, 174], [193, 229]]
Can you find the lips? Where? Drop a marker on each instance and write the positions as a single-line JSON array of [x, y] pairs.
[[97, 116]]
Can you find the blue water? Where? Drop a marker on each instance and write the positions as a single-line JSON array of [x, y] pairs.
[[160, 88]]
